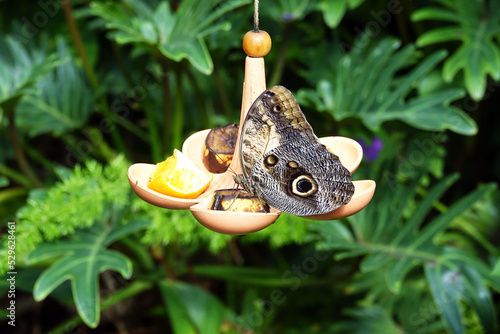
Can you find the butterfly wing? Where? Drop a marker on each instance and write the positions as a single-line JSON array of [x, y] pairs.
[[264, 130], [283, 161]]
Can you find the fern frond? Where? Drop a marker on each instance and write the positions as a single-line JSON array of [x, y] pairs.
[[79, 200]]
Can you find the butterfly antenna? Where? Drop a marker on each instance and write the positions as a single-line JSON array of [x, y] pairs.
[[231, 170]]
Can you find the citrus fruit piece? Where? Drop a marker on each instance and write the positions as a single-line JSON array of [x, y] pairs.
[[179, 177]]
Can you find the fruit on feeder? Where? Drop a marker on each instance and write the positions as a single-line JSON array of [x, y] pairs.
[[179, 177], [237, 200], [219, 148]]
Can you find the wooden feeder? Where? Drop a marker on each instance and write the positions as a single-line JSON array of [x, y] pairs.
[[231, 222]]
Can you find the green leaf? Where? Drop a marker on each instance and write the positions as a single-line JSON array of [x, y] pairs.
[[196, 52], [334, 11], [398, 271], [433, 112], [63, 103], [445, 296], [237, 274], [290, 230], [417, 219], [192, 309], [476, 25], [368, 320], [22, 67], [439, 223], [288, 10], [334, 235], [247, 275], [496, 269], [453, 282], [477, 295], [407, 241], [177, 35], [4, 182], [81, 260], [366, 84]]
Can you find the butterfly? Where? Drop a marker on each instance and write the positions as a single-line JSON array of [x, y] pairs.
[[283, 162]]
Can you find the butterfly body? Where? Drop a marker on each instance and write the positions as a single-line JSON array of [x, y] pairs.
[[283, 161]]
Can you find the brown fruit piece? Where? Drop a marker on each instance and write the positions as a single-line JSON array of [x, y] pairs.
[[219, 148], [237, 200]]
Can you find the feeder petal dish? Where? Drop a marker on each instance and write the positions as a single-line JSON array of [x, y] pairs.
[[363, 193], [138, 175], [231, 222]]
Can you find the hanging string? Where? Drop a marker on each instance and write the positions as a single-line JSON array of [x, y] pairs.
[[256, 15]]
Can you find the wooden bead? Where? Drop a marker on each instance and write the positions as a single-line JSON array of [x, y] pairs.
[[256, 43]]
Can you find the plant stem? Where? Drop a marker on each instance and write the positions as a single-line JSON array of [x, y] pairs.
[[167, 103], [226, 104], [133, 289], [95, 137], [256, 15], [120, 62], [77, 40], [280, 62], [128, 78], [19, 152], [36, 155], [14, 175], [10, 193], [94, 83], [71, 144], [178, 117], [235, 252], [126, 124], [198, 93], [154, 135]]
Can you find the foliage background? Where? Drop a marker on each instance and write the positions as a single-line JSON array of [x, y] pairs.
[[89, 87]]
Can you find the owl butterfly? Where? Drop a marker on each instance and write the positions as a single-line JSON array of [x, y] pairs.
[[283, 161]]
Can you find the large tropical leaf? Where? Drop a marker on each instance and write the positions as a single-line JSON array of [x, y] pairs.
[[177, 35], [21, 68], [396, 241], [365, 83], [476, 24], [81, 260], [192, 309], [63, 103]]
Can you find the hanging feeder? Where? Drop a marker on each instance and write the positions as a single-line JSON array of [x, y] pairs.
[[234, 222]]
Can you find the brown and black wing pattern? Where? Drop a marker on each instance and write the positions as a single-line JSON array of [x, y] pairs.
[[284, 163]]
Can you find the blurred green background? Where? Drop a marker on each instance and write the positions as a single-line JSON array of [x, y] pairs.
[[89, 87]]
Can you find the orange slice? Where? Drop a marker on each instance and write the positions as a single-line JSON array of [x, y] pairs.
[[179, 177]]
